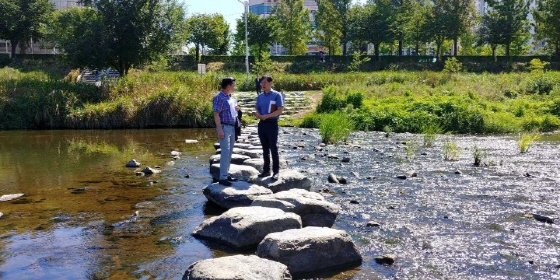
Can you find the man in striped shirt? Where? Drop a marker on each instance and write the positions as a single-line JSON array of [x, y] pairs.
[[225, 115]]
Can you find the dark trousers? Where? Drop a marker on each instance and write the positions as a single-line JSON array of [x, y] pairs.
[[268, 134]]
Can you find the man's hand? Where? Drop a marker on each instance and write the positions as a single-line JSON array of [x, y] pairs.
[[261, 117], [221, 134]]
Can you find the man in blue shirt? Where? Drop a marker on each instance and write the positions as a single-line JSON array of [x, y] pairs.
[[270, 105], [225, 115]]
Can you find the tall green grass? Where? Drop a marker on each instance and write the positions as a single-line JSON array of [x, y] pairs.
[[335, 127]]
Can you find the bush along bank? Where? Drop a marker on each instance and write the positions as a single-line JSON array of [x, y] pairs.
[[444, 102], [35, 100]]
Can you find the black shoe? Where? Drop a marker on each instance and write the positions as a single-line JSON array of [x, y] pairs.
[[231, 179], [264, 174], [275, 177], [225, 182]]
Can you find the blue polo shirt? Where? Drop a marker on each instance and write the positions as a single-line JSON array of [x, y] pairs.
[[267, 102]]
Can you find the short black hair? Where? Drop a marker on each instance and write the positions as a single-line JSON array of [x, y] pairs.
[[227, 81], [267, 77]]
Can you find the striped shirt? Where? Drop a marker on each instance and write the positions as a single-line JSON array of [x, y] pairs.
[[221, 105]]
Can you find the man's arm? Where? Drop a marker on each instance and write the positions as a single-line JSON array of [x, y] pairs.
[[219, 129]]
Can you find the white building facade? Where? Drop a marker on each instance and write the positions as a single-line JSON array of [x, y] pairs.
[[39, 46], [265, 8]]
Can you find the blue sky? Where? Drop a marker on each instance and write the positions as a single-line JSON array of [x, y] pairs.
[[230, 9]]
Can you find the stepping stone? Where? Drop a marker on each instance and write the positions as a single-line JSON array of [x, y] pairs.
[[310, 249], [235, 159], [239, 194], [244, 227], [237, 267], [258, 163], [241, 172], [312, 207], [289, 179]]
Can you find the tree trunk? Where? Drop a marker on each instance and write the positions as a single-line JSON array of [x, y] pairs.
[[344, 49], [376, 48], [438, 50], [557, 48], [13, 45], [494, 52], [507, 49], [417, 48], [400, 48], [455, 47], [197, 52]]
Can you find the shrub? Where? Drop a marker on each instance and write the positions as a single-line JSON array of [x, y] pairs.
[[357, 62], [452, 65], [540, 86], [536, 65], [335, 127], [478, 155], [311, 121], [430, 131]]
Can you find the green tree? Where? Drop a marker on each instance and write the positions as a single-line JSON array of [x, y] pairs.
[[80, 33], [547, 18], [511, 18], [413, 18], [207, 30], [488, 32], [343, 8], [260, 34], [21, 20], [294, 26], [358, 29], [379, 15], [329, 26]]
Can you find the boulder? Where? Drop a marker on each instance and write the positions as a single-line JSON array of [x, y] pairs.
[[244, 227], [241, 172], [310, 249], [240, 193], [312, 207], [289, 179], [254, 153], [132, 163], [258, 163], [237, 267], [235, 159], [242, 145], [8, 197]]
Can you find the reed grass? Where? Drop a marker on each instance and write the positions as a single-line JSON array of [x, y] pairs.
[[335, 127], [526, 140]]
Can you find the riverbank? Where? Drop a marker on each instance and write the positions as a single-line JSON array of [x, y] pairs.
[[382, 101]]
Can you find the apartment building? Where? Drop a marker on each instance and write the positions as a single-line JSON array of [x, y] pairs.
[[39, 46], [265, 8]]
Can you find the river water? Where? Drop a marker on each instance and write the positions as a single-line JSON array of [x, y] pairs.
[[84, 215]]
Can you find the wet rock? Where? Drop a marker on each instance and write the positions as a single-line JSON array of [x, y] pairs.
[[8, 197], [237, 267], [241, 172], [370, 177], [133, 163], [1, 214], [376, 150], [175, 153], [322, 145], [412, 173], [373, 224], [216, 145], [332, 156], [424, 154], [244, 227], [345, 159], [239, 194], [402, 177], [192, 141], [342, 180], [333, 179], [458, 172], [78, 191], [148, 170], [353, 201], [139, 173], [305, 250], [235, 159], [313, 209], [356, 174], [258, 163], [391, 207], [289, 179], [388, 259], [242, 145], [301, 144], [543, 219]]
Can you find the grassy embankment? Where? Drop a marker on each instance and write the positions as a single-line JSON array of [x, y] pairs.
[[390, 101]]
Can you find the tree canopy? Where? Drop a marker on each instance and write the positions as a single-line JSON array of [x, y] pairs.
[[293, 26]]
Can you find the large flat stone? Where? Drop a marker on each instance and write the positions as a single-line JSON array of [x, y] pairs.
[[241, 172], [310, 249], [237, 267], [239, 194], [289, 179], [312, 207], [244, 227]]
